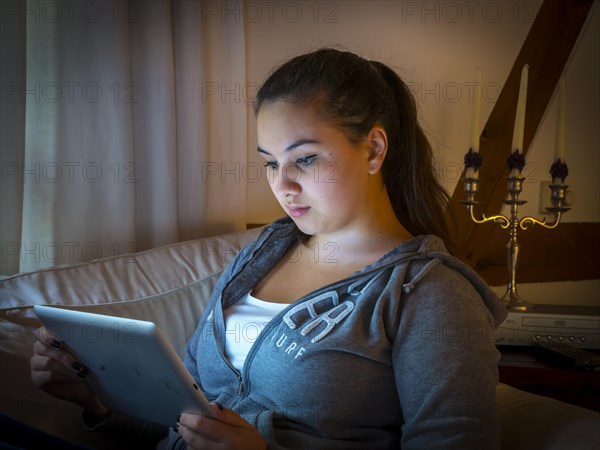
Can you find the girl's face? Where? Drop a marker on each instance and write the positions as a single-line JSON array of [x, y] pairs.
[[319, 177]]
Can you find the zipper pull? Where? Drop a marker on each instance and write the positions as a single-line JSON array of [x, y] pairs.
[[240, 385]]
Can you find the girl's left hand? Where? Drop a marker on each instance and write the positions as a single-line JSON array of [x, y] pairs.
[[226, 430]]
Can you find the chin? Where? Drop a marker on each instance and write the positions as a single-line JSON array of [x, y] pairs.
[[305, 227]]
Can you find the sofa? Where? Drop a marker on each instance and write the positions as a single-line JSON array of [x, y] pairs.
[[170, 286]]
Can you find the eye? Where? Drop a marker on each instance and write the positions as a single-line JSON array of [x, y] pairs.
[[306, 160], [271, 164]]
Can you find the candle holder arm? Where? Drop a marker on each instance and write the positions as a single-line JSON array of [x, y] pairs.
[[558, 197], [471, 189], [526, 221], [499, 219]]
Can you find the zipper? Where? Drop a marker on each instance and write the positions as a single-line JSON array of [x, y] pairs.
[[236, 372], [258, 243]]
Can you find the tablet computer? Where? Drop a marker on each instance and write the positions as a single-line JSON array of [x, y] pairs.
[[132, 367]]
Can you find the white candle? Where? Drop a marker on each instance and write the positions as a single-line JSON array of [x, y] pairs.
[[476, 113], [559, 147], [517, 143], [470, 173]]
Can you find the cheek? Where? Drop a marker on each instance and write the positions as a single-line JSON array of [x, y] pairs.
[[328, 173], [332, 193], [273, 187], [340, 181]]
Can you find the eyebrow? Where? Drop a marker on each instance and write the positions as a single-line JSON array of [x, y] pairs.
[[296, 144]]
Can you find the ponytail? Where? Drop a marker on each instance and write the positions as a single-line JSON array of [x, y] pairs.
[[419, 200]]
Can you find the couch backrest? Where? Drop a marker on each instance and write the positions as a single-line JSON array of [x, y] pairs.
[[168, 285]]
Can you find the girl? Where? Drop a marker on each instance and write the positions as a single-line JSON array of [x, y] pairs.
[[371, 335]]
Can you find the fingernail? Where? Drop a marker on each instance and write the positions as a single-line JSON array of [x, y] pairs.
[[55, 343], [176, 427], [80, 369]]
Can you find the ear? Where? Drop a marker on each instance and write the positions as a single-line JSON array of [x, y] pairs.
[[377, 148]]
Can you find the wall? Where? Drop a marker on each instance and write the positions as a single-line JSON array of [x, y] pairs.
[[436, 47]]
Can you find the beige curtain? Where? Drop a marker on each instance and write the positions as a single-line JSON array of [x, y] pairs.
[[123, 126]]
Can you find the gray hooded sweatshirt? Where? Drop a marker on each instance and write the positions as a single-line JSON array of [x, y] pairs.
[[400, 354]]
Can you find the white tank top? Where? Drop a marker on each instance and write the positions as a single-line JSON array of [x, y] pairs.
[[244, 321]]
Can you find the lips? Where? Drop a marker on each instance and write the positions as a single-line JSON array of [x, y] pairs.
[[297, 211]]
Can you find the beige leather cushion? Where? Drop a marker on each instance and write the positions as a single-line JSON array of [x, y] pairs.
[[169, 285], [534, 422]]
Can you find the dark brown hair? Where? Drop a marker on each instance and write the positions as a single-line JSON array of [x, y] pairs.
[[353, 95]]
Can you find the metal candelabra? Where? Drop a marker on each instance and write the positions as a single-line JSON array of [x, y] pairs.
[[512, 222]]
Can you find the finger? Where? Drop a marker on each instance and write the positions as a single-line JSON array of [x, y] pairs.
[[195, 439], [69, 363], [200, 431], [45, 378], [222, 429], [216, 411], [42, 363], [229, 417], [215, 425], [43, 336]]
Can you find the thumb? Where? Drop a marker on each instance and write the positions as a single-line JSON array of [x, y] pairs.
[[228, 416]]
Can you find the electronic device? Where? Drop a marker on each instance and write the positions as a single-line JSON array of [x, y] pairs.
[[132, 367], [566, 355], [578, 326]]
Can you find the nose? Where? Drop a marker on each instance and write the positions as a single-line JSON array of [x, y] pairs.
[[286, 181]]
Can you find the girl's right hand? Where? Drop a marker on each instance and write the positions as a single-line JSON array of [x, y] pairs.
[[58, 373]]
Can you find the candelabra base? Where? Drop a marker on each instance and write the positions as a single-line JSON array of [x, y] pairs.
[[515, 303]]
